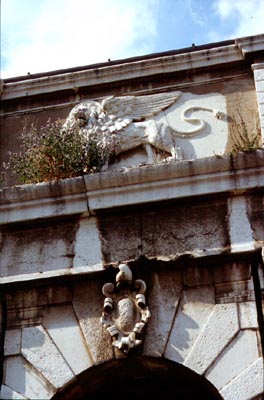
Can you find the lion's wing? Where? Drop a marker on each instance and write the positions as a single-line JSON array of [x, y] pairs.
[[138, 108]]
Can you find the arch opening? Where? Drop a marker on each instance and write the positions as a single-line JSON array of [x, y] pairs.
[[138, 378]]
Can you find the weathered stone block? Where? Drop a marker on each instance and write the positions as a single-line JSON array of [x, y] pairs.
[[259, 74], [238, 356], [22, 377], [164, 296], [120, 236], [196, 276], [247, 385], [240, 232], [63, 327], [87, 249], [88, 302], [248, 315], [196, 305], [165, 232], [174, 230], [28, 305], [40, 351], [12, 342], [38, 246], [220, 328], [256, 215]]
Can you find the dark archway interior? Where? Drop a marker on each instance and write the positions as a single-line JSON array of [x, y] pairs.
[[138, 378]]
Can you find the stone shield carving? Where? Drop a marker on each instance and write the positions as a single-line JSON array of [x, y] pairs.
[[125, 312]]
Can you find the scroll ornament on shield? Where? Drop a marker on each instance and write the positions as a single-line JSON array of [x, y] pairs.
[[125, 312]]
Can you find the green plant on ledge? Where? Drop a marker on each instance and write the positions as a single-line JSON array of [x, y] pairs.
[[242, 140], [52, 153]]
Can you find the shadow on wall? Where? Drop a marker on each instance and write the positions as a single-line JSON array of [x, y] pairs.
[[182, 340]]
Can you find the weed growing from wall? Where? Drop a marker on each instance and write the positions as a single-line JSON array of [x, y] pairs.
[[242, 138], [51, 153]]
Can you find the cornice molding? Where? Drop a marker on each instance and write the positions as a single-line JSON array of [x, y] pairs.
[[250, 44], [164, 64]]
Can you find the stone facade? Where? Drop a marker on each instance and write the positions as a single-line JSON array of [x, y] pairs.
[[188, 232], [259, 82]]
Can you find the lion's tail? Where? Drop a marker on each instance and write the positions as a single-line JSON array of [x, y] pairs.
[[200, 124]]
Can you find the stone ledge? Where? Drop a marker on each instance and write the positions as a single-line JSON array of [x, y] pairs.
[[43, 200], [49, 275], [131, 186], [77, 274]]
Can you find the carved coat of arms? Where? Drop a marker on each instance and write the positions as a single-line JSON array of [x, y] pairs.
[[125, 312]]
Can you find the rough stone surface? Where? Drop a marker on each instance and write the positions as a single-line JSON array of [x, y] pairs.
[[256, 215], [62, 325], [194, 310], [12, 342], [121, 236], [233, 283], [183, 229], [41, 352], [234, 272], [163, 302], [197, 276], [239, 226], [42, 246], [247, 385], [259, 82], [34, 301], [259, 73], [87, 250], [220, 329], [246, 345], [88, 303], [164, 232], [248, 315], [23, 378], [7, 394]]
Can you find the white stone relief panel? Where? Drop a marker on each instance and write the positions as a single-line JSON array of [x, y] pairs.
[[195, 308], [22, 378], [195, 125], [219, 330], [12, 342], [183, 125], [62, 326], [247, 385], [239, 354], [41, 352]]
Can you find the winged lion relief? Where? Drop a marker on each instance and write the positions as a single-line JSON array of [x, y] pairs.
[[133, 123]]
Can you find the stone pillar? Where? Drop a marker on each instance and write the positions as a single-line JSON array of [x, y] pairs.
[[2, 335], [258, 70]]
